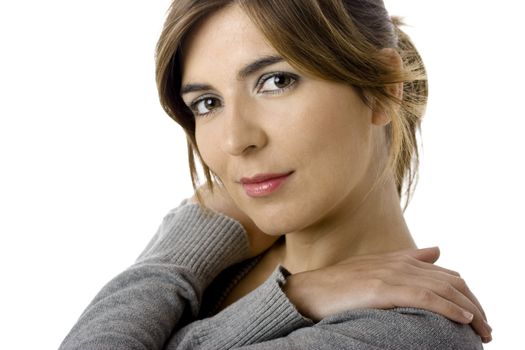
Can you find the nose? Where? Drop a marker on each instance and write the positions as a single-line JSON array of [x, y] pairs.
[[242, 131]]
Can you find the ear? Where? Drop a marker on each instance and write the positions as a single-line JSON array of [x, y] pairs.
[[380, 118], [392, 57]]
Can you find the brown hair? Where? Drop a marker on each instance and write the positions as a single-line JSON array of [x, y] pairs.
[[336, 40]]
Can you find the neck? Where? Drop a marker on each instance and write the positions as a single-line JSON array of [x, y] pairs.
[[370, 223]]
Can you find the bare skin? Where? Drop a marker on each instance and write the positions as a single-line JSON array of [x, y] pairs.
[[406, 278], [343, 229]]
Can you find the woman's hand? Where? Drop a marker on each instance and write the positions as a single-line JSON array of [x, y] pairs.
[[220, 201], [401, 279]]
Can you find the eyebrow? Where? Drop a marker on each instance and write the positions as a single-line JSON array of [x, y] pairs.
[[246, 71], [257, 65]]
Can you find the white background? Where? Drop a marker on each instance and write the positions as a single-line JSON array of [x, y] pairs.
[[89, 163]]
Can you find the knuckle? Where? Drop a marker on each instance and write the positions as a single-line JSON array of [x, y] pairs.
[[455, 273], [461, 285], [448, 289], [455, 311], [425, 295], [406, 259], [376, 285], [400, 265]]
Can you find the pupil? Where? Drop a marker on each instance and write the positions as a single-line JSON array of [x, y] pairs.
[[280, 80], [209, 102]]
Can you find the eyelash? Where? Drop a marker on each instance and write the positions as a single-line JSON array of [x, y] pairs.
[[266, 77], [260, 83]]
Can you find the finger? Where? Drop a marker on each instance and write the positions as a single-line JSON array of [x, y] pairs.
[[440, 286], [420, 268], [451, 288], [428, 255], [428, 266], [455, 281], [399, 262], [413, 296], [462, 286], [449, 292], [423, 258]]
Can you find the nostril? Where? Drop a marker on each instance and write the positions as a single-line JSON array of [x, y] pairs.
[[250, 147], [241, 131]]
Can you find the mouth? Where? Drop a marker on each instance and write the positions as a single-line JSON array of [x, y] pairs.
[[262, 185]]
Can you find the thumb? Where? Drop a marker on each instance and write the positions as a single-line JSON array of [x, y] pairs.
[[429, 255]]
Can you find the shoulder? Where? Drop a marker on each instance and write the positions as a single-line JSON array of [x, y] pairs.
[[400, 328]]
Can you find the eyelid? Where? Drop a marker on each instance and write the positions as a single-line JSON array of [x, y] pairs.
[[258, 85], [200, 98], [196, 101], [263, 78]]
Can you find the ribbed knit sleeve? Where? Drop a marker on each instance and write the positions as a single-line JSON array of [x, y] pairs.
[[201, 241], [265, 313], [161, 292], [365, 329]]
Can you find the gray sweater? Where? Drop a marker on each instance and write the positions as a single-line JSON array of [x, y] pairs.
[[169, 299]]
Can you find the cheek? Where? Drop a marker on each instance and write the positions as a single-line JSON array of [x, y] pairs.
[[339, 146], [206, 144], [338, 130]]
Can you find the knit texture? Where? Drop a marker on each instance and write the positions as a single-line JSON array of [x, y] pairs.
[[168, 300]]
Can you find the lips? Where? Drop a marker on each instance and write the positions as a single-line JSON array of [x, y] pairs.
[[262, 177], [263, 184]]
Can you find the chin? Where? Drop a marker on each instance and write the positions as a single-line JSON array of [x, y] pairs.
[[278, 222]]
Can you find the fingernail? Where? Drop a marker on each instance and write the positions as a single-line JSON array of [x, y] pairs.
[[486, 339], [468, 315]]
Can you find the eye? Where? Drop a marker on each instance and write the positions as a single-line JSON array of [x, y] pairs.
[[204, 105], [275, 83]]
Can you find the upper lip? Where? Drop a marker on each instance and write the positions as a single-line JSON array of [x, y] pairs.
[[262, 177]]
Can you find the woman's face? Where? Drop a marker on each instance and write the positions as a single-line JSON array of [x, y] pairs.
[[256, 115]]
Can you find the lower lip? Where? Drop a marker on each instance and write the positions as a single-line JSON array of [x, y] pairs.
[[264, 188]]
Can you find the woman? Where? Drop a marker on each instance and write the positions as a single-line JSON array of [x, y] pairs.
[[303, 115]]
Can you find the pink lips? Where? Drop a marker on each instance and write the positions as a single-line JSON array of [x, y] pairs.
[[264, 184]]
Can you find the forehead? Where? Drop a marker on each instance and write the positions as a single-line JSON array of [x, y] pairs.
[[225, 40]]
